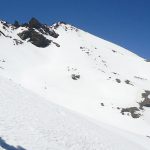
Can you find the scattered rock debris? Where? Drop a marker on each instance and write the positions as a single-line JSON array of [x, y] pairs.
[[86, 50]]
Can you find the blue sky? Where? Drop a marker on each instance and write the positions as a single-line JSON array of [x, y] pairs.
[[124, 22]]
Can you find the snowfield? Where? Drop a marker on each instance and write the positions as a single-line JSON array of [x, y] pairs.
[[34, 123], [105, 87]]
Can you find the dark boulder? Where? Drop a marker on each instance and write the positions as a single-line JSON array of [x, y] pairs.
[[102, 104], [118, 80], [75, 76]]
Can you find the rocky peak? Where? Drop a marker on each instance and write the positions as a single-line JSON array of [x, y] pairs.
[[37, 38], [34, 23], [40, 35], [16, 24], [42, 28]]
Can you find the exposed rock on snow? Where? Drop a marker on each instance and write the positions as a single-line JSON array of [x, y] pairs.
[[1, 33], [35, 38], [75, 76], [102, 104], [17, 42], [146, 101], [128, 82], [44, 29], [118, 80], [132, 110]]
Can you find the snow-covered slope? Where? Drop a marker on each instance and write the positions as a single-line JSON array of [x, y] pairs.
[[81, 72], [30, 122]]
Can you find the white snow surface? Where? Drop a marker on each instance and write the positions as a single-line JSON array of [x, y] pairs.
[[34, 123], [47, 72]]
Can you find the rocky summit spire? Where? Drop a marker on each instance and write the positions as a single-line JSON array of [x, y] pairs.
[[34, 23], [37, 38]]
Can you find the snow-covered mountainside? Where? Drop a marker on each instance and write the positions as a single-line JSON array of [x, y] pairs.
[[29, 122], [79, 71]]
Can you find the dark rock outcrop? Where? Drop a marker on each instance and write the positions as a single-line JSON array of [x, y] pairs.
[[42, 28], [132, 111], [17, 42], [1, 33], [146, 101], [34, 23], [35, 33], [35, 38]]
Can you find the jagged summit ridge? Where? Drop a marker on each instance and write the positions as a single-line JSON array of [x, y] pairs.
[[33, 31]]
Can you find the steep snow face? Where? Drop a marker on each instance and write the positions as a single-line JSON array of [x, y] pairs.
[[84, 73], [30, 122]]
